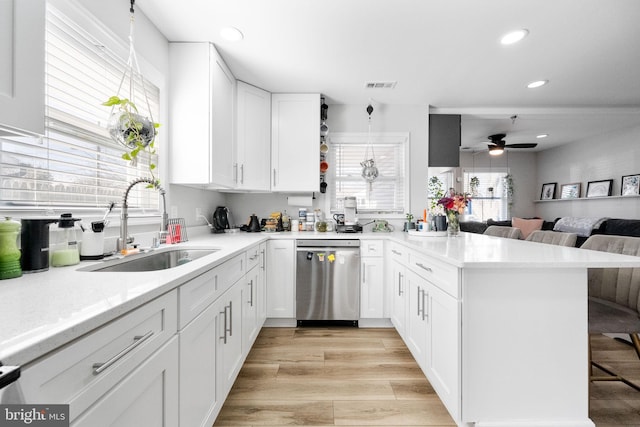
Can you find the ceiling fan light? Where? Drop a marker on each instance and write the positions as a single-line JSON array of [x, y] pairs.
[[495, 150], [537, 83], [514, 36]]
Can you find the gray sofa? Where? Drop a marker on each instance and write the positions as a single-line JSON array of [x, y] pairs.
[[611, 226]]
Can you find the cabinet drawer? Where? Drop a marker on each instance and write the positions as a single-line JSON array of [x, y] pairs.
[[441, 274], [80, 373], [253, 256], [398, 253], [371, 247], [198, 293]]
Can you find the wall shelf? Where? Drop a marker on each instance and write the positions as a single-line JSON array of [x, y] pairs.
[[586, 198]]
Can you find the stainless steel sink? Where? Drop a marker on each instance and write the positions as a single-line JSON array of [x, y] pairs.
[[157, 260]]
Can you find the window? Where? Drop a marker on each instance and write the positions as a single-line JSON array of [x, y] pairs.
[[490, 199], [388, 193], [75, 164]]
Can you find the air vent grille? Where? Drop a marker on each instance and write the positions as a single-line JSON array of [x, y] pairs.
[[380, 85]]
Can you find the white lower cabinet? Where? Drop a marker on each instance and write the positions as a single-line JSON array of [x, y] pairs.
[[200, 401], [281, 277], [444, 350], [398, 297], [371, 279], [146, 397], [250, 323], [229, 355], [417, 320]]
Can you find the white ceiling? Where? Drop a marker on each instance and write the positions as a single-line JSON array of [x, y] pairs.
[[442, 53]]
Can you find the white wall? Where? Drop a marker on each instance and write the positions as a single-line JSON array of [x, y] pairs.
[[608, 157]]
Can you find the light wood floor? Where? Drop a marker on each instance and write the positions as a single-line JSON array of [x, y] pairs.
[[367, 377]]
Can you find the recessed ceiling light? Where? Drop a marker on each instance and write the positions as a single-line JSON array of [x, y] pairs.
[[231, 34], [542, 135], [537, 83], [514, 36]]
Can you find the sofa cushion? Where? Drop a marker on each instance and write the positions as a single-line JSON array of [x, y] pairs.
[[621, 227], [526, 226], [506, 223]]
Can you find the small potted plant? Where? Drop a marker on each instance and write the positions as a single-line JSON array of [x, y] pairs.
[[132, 130], [409, 224]]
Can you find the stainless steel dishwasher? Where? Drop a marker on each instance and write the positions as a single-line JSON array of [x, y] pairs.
[[328, 281]]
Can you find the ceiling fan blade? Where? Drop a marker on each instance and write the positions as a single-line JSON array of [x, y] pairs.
[[523, 145]]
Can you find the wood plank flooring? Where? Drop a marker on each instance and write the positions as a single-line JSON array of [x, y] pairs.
[[367, 377]]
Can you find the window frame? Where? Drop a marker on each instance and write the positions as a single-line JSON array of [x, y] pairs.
[[502, 198], [90, 23], [376, 138]]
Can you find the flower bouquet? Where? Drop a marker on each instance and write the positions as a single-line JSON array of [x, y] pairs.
[[454, 205]]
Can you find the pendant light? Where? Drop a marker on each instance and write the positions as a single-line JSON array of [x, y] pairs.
[[369, 168]]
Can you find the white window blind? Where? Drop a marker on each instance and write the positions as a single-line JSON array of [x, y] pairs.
[[76, 163], [491, 199], [387, 194]]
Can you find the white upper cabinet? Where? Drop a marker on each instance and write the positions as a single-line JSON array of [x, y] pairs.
[[253, 138], [22, 24], [202, 110], [295, 140]]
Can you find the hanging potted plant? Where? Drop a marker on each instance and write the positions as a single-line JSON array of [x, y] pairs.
[[132, 130], [474, 183]]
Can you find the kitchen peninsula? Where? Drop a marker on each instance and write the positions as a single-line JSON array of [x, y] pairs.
[[488, 312]]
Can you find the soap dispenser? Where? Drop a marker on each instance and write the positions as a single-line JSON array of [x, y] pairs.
[[65, 249]]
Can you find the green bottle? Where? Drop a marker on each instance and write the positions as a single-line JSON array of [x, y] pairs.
[[9, 252]]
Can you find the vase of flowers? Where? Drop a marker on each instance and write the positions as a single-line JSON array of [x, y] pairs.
[[454, 205]]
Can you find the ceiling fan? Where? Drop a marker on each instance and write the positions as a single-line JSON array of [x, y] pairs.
[[498, 144]]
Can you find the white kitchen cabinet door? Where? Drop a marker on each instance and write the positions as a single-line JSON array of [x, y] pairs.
[[444, 353], [202, 89], [253, 138], [281, 279], [417, 326], [372, 288], [147, 397], [250, 327], [230, 356], [262, 286], [22, 25], [295, 140], [199, 399], [398, 297]]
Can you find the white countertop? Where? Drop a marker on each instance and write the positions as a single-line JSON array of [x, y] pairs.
[[42, 311]]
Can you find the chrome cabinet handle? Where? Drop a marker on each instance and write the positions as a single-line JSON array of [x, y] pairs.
[[396, 252], [418, 299], [400, 284], [250, 293], [424, 307], [364, 272], [235, 172], [230, 319], [254, 256], [242, 173], [274, 177], [224, 336], [421, 265], [98, 368], [263, 259]]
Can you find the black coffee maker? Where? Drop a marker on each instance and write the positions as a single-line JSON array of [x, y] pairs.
[[34, 240]]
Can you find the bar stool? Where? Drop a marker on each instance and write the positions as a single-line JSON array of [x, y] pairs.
[[503, 231], [614, 298], [553, 237]]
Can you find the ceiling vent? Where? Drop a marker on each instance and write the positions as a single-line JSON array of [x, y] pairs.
[[380, 85]]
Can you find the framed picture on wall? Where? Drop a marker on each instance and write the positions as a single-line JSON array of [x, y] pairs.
[[600, 188], [548, 191], [570, 191], [630, 185]]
